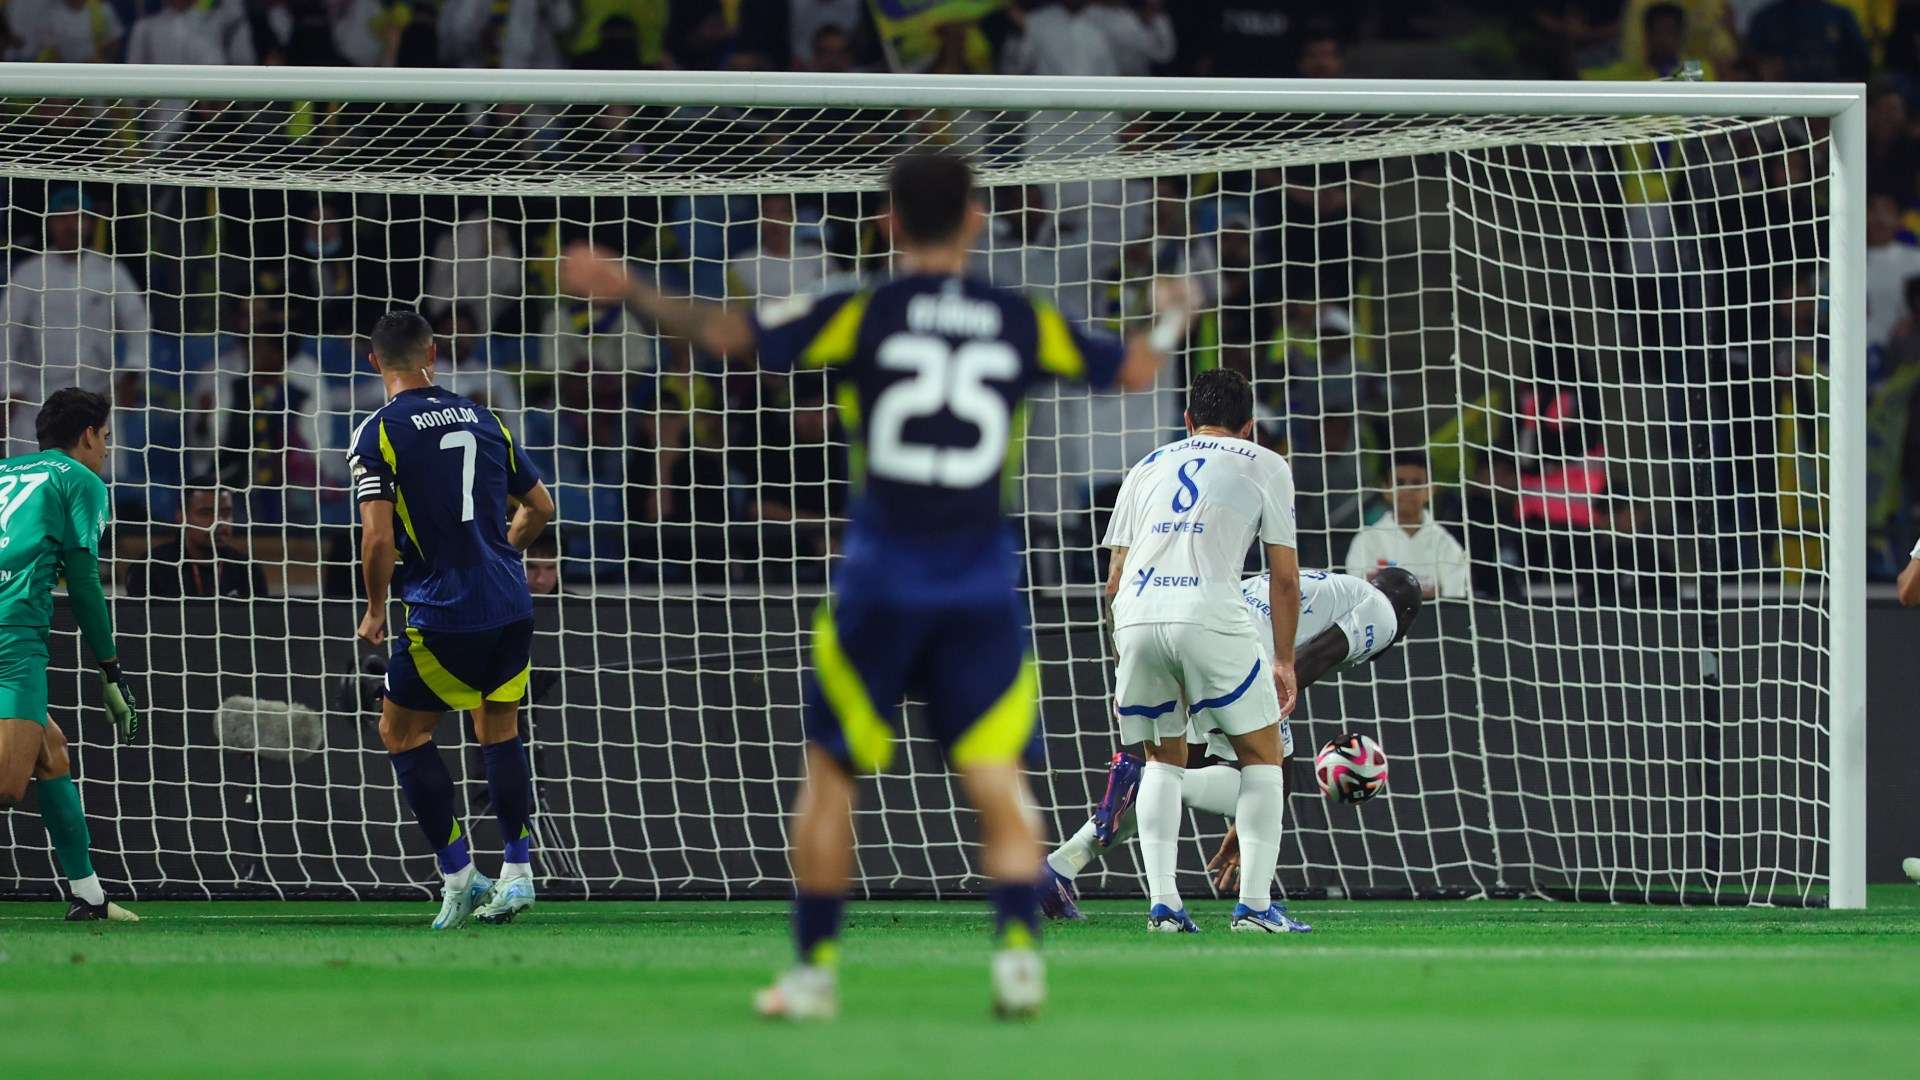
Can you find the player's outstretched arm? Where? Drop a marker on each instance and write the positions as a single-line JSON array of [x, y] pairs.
[[1909, 586], [1173, 304], [531, 512], [594, 272], [378, 552], [82, 570]]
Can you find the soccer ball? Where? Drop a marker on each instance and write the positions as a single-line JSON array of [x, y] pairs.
[[1352, 768]]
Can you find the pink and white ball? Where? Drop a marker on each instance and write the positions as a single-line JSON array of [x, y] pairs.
[[1352, 768]]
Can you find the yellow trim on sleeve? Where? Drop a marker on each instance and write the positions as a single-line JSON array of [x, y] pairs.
[[513, 461], [399, 497], [835, 342], [847, 396], [869, 739], [1057, 353], [444, 684], [1003, 733]]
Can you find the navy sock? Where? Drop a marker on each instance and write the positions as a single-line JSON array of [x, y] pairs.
[[428, 787], [816, 927], [1016, 915], [510, 789]]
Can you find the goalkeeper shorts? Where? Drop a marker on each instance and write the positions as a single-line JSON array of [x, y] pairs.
[[23, 674], [968, 661], [442, 671]]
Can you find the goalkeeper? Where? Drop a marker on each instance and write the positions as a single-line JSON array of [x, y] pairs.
[[53, 508], [1344, 622]]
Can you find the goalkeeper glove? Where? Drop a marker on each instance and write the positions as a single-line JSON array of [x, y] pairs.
[[121, 705]]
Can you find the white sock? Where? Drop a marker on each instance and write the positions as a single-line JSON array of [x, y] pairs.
[[511, 870], [1158, 809], [460, 878], [1215, 789], [1075, 853], [1263, 800], [87, 889]]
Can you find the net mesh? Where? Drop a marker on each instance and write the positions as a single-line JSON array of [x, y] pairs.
[[1605, 336]]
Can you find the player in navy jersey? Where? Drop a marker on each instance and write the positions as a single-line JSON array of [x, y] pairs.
[[931, 370], [447, 470]]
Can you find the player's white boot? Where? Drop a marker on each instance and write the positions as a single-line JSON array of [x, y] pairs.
[[510, 897], [809, 992], [1019, 983], [457, 901]]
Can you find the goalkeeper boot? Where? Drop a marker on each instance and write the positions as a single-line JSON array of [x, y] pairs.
[[79, 910], [1164, 920], [458, 901], [808, 992], [1056, 896], [1123, 786], [1019, 983], [1274, 920], [510, 897]]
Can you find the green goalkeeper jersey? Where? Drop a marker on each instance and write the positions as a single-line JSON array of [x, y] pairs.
[[53, 511]]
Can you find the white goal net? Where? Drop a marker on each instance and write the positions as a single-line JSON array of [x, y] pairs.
[[1603, 331]]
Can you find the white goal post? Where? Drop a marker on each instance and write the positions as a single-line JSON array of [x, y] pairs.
[[1620, 325]]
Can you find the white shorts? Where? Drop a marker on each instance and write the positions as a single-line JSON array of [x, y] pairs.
[[1369, 627], [1170, 673]]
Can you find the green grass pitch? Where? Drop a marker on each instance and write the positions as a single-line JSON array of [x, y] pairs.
[[624, 989]]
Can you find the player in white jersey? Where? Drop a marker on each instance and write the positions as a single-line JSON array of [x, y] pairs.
[[1344, 622], [1180, 531]]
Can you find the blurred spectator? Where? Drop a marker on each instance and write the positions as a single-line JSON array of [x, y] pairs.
[[1709, 34], [1022, 250], [683, 424], [744, 35], [618, 35], [1408, 537], [1321, 55], [543, 565], [1890, 263], [1663, 32], [475, 268], [73, 317], [1583, 33], [834, 24], [180, 32], [326, 283], [203, 562], [368, 32], [473, 364], [1807, 41], [779, 264], [66, 31], [1079, 37], [831, 52], [296, 32], [511, 34], [259, 412], [1893, 156]]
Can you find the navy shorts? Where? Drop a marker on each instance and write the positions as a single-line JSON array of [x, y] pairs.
[[442, 671], [970, 663]]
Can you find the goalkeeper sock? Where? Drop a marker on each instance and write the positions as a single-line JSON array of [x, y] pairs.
[[1263, 799], [1158, 809], [1016, 915], [88, 890], [1215, 789], [816, 928], [66, 826], [428, 787], [510, 789]]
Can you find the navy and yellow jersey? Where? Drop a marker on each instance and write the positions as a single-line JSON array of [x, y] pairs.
[[931, 376], [447, 465]]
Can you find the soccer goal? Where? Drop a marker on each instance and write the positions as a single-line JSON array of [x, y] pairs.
[[1616, 325]]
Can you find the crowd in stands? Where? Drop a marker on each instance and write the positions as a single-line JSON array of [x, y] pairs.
[[227, 321]]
